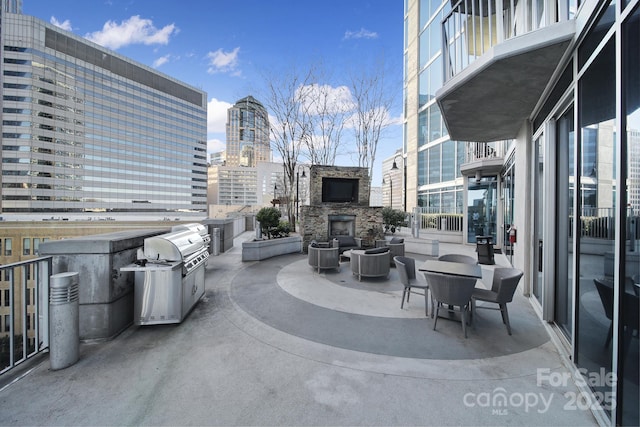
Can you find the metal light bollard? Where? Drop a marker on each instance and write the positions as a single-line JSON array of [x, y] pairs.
[[64, 320], [215, 242]]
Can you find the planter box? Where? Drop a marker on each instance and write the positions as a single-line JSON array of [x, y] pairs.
[[256, 250]]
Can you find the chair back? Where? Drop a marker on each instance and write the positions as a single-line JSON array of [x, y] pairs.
[[406, 269], [505, 282], [605, 290], [453, 290], [465, 259]]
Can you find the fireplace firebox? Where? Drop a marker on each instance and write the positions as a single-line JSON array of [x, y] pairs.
[[341, 225]]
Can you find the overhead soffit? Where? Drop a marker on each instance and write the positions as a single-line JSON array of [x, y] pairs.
[[490, 99]]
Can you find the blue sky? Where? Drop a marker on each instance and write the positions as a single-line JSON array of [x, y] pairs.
[[225, 47]]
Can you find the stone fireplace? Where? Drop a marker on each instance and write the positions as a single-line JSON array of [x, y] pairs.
[[339, 206], [341, 225]]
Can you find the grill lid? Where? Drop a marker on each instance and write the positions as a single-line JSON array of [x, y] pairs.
[[194, 226], [174, 246]]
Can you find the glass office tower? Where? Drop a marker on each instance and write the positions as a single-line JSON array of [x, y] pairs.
[[87, 130], [247, 134]]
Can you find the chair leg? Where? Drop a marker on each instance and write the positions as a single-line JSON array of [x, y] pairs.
[[404, 293], [432, 304], [505, 316], [463, 312], [435, 321], [408, 295], [426, 303]]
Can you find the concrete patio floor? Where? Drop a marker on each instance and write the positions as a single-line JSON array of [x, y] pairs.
[[275, 343]]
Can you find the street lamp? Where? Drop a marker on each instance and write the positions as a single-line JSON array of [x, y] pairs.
[[395, 167], [390, 185], [275, 188], [298, 189]]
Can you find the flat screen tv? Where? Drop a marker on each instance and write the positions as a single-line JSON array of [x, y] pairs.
[[339, 190]]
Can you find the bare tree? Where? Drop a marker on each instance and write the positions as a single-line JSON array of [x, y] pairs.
[[286, 101], [371, 116], [328, 108]]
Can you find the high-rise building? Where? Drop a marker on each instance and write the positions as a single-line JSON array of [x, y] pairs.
[[247, 134], [11, 6], [86, 130], [541, 104]]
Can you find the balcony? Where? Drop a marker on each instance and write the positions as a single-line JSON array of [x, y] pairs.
[[275, 343], [499, 56], [484, 157]]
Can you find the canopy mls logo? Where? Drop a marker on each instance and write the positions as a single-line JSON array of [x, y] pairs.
[[500, 401]]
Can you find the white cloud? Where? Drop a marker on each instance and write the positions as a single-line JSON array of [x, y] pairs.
[[132, 31], [217, 116], [215, 145], [223, 62], [362, 34], [66, 25], [160, 61], [338, 99]]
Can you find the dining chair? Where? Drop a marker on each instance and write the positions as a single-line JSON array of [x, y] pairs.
[[605, 291], [630, 306], [406, 267], [465, 259], [503, 286], [452, 291]]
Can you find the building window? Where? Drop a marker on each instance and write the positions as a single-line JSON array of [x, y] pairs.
[[7, 323], [26, 246], [6, 298], [36, 246], [8, 247]]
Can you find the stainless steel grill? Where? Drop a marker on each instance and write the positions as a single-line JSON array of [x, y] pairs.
[[196, 228], [169, 277]]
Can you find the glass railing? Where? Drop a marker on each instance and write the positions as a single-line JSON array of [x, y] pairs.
[[472, 27], [24, 310]]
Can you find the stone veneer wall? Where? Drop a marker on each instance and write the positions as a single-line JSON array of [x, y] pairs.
[[314, 219], [316, 173]]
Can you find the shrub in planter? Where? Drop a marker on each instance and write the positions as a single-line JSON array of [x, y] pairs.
[[393, 219], [269, 219]]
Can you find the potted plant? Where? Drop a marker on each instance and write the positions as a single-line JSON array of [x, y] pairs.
[[269, 219], [393, 219]]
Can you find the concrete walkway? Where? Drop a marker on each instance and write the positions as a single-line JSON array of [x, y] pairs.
[[274, 343]]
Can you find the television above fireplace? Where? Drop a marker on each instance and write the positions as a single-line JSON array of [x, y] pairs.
[[339, 190]]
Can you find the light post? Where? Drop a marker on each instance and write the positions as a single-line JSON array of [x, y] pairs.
[[404, 179], [275, 187], [298, 190], [390, 185]]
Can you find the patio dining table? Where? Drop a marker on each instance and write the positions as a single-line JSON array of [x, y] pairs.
[[451, 268]]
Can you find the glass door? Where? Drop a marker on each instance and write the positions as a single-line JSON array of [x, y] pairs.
[[538, 281], [482, 208], [565, 181]]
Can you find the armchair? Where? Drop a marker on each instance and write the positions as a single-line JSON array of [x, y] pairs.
[[370, 263], [504, 284], [453, 291], [395, 245], [407, 270], [346, 243], [465, 259], [321, 258]]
